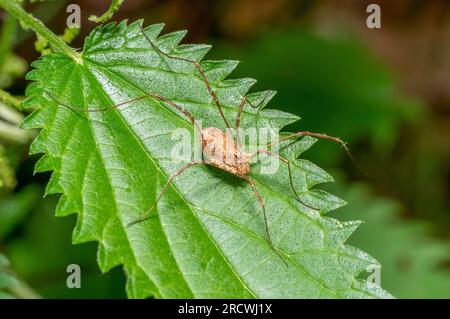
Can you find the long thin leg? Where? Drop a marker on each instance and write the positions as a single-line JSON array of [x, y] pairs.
[[238, 121], [322, 136], [200, 70], [241, 108], [238, 117], [111, 107], [263, 206], [291, 180], [147, 215]]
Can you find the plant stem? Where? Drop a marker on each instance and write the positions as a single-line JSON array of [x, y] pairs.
[[8, 99], [113, 8], [13, 134], [6, 38], [23, 291], [10, 114], [16, 10]]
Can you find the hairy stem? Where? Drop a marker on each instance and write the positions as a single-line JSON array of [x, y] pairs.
[[10, 114], [113, 8], [6, 38], [23, 291], [10, 100], [27, 19], [13, 134]]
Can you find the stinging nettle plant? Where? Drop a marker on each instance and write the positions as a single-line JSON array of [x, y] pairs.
[[206, 237]]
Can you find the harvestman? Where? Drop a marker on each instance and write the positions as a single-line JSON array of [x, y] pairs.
[[219, 149]]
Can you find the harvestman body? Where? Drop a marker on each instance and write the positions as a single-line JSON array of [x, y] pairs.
[[219, 148]]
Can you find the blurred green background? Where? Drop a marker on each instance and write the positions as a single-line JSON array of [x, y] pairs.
[[386, 91]]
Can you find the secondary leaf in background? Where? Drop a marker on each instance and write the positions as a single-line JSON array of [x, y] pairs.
[[10, 286], [13, 209], [412, 261], [45, 235], [8, 280], [207, 238], [11, 65]]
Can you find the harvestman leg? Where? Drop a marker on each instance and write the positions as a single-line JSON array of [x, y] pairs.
[[198, 67], [205, 80], [304, 133], [291, 180], [111, 107], [148, 215], [158, 97], [263, 206], [241, 108], [322, 136]]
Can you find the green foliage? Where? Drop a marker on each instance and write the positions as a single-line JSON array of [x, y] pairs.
[[27, 20], [11, 65], [45, 235], [43, 46], [70, 34], [8, 99], [207, 238], [7, 178], [413, 262], [12, 140], [7, 279], [13, 209], [14, 68], [10, 286]]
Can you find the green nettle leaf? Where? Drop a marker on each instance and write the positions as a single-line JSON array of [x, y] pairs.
[[206, 237], [413, 261]]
